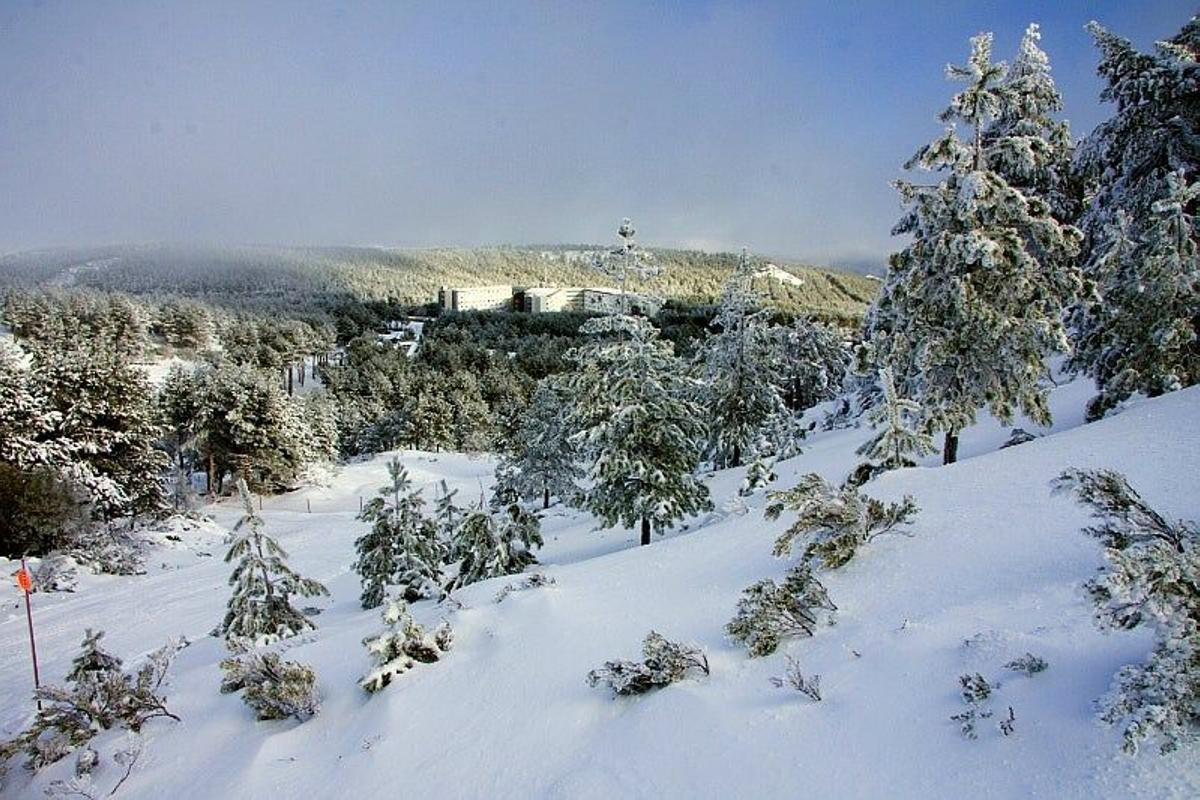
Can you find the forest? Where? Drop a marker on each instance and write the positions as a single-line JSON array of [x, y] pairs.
[[1041, 275]]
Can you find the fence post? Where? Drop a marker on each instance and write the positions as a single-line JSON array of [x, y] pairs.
[[309, 502]]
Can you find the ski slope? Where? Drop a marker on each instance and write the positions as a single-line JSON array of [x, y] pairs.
[[992, 569]]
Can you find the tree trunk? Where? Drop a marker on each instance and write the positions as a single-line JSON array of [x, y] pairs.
[[645, 530], [546, 497], [736, 458], [212, 469], [289, 380], [950, 448]]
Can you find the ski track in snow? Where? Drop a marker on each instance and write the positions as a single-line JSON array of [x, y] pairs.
[[992, 569]]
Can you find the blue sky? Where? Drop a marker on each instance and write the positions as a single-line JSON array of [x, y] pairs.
[[716, 125]]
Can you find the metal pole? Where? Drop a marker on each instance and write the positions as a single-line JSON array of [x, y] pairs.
[[37, 681]]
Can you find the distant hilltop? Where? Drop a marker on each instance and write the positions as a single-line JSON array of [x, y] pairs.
[[249, 276]]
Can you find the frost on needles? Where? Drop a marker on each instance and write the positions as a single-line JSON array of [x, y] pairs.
[[1151, 579], [833, 523], [973, 306]]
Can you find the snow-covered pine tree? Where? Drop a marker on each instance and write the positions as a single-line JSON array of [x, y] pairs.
[[318, 412], [814, 365], [1137, 329], [637, 426], [898, 434], [259, 611], [274, 688], [401, 646], [971, 309], [739, 388], [105, 423], [833, 522], [544, 462], [494, 541], [446, 515], [1152, 579], [628, 261], [402, 547], [1026, 144], [247, 424], [1150, 339]]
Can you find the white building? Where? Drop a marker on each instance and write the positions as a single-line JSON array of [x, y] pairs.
[[476, 298]]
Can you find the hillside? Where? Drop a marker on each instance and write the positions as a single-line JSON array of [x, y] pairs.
[[268, 276], [992, 569]]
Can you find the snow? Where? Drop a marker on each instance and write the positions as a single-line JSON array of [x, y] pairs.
[[992, 569]]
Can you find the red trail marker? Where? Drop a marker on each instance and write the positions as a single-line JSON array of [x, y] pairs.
[[25, 582]]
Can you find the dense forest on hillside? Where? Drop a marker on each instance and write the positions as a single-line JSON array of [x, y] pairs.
[[270, 277]]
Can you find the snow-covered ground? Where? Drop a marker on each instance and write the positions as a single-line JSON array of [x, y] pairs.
[[992, 570]]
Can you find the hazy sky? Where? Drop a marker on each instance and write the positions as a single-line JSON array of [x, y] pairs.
[[716, 125]]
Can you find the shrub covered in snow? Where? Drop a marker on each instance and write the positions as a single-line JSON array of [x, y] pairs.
[[401, 646], [274, 688], [833, 523], [769, 613], [1028, 664], [99, 696], [1152, 578], [663, 662]]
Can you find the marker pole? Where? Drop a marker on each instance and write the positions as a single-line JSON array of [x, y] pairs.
[[26, 584]]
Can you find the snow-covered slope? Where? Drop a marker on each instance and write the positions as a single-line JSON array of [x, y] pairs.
[[992, 570]]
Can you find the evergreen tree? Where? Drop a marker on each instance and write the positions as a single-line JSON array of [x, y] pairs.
[[494, 541], [1138, 329], [971, 309], [814, 365], [402, 547], [401, 646], [544, 460], [260, 611], [446, 515], [898, 433], [248, 425], [832, 522], [1027, 146], [740, 389], [318, 413], [1151, 579], [106, 423], [637, 426]]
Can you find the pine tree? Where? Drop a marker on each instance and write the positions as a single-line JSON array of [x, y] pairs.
[[544, 462], [402, 547], [898, 431], [833, 523], [1027, 146], [248, 425], [494, 541], [740, 389], [637, 426], [260, 611], [446, 515], [1151, 579], [1137, 329], [401, 646], [971, 309], [815, 363], [106, 425]]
